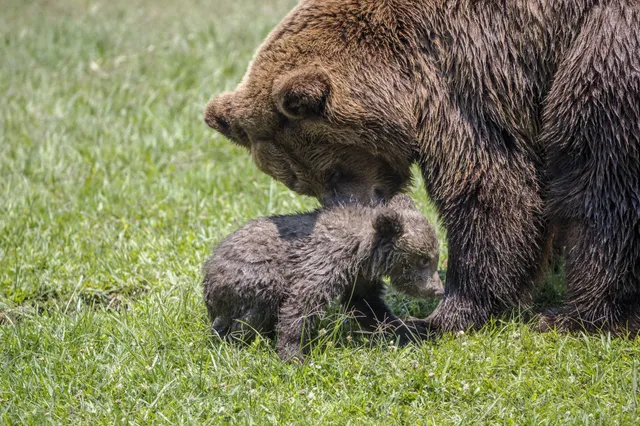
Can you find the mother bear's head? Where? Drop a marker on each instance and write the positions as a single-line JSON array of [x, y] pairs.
[[326, 106]]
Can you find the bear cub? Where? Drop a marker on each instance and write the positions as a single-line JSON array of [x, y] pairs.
[[278, 274]]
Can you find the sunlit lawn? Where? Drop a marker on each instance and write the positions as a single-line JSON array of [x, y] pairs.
[[112, 192]]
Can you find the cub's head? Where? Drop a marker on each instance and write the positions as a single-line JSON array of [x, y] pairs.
[[415, 248], [325, 106]]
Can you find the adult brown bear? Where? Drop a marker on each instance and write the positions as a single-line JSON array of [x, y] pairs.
[[524, 116]]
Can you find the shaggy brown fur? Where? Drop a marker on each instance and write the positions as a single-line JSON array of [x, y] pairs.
[[283, 270], [523, 114]]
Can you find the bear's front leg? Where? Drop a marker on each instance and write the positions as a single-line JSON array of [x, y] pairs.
[[366, 302], [493, 213]]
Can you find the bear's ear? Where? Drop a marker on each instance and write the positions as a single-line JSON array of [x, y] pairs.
[[388, 224], [302, 93]]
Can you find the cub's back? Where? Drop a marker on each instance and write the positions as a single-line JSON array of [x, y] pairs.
[[267, 239], [252, 259]]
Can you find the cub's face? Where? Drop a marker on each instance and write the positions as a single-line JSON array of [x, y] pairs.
[[321, 110], [416, 249], [415, 272]]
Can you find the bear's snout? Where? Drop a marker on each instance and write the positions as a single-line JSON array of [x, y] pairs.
[[218, 115]]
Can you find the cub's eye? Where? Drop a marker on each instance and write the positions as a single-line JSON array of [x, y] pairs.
[[335, 177], [424, 262]]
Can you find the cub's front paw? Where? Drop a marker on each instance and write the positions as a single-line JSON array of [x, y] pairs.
[[411, 330]]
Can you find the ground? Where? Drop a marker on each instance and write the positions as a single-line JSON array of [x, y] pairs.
[[113, 190]]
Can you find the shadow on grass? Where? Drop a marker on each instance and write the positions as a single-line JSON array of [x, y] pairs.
[[339, 329], [551, 292], [114, 299]]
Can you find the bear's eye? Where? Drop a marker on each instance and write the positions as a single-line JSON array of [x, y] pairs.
[[379, 195], [291, 181], [340, 176]]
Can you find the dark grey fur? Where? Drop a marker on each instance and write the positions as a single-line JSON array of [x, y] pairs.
[[281, 272]]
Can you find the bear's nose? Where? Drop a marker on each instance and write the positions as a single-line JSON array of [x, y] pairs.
[[219, 114], [217, 122]]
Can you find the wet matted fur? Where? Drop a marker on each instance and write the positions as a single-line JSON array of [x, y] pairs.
[[282, 272], [524, 115]]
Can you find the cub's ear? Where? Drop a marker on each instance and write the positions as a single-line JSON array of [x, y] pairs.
[[302, 93], [388, 224]]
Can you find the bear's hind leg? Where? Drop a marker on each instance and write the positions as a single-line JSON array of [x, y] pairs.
[[220, 326], [592, 134], [257, 320], [298, 315], [295, 326], [603, 282]]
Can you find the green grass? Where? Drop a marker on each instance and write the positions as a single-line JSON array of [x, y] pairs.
[[112, 192]]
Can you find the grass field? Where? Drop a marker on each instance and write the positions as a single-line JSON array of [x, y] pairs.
[[112, 192]]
